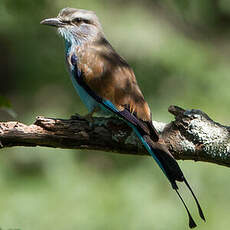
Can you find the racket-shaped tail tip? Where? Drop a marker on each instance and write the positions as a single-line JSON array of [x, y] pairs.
[[202, 215], [198, 205], [192, 223]]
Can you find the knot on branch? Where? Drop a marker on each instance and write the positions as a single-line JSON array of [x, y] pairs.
[[199, 134], [192, 135]]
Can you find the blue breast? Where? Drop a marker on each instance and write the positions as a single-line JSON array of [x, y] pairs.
[[86, 99], [77, 78]]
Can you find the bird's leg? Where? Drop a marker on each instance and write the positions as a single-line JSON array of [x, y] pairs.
[[88, 117], [76, 116]]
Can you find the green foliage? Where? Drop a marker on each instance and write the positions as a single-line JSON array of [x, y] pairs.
[[5, 105], [180, 54], [4, 102]]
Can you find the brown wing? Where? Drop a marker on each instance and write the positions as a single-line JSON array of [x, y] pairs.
[[107, 74]]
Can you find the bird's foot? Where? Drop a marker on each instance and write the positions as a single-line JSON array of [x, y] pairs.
[[77, 116], [87, 117]]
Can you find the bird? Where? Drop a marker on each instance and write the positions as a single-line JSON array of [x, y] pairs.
[[107, 85]]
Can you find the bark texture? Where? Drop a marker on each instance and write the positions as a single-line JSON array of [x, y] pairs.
[[191, 136]]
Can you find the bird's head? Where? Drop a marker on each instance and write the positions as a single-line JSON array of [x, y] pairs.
[[76, 25]]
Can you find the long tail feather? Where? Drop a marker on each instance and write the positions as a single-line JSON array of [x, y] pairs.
[[174, 173], [197, 203], [158, 151], [171, 169], [192, 223]]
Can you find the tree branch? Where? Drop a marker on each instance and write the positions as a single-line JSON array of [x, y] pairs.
[[191, 136]]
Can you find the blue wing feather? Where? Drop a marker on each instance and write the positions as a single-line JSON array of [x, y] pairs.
[[165, 162], [91, 100], [147, 146]]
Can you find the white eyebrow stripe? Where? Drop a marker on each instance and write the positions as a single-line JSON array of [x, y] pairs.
[[86, 16]]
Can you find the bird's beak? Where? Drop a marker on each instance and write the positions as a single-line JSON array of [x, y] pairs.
[[52, 22]]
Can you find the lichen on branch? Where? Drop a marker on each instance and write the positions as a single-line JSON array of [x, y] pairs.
[[191, 136]]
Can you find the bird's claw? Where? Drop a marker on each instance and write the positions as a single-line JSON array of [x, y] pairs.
[[77, 116], [87, 117]]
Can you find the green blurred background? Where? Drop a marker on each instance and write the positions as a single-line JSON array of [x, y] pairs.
[[180, 52]]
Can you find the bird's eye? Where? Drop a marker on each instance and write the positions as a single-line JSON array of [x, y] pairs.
[[86, 21], [77, 20]]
